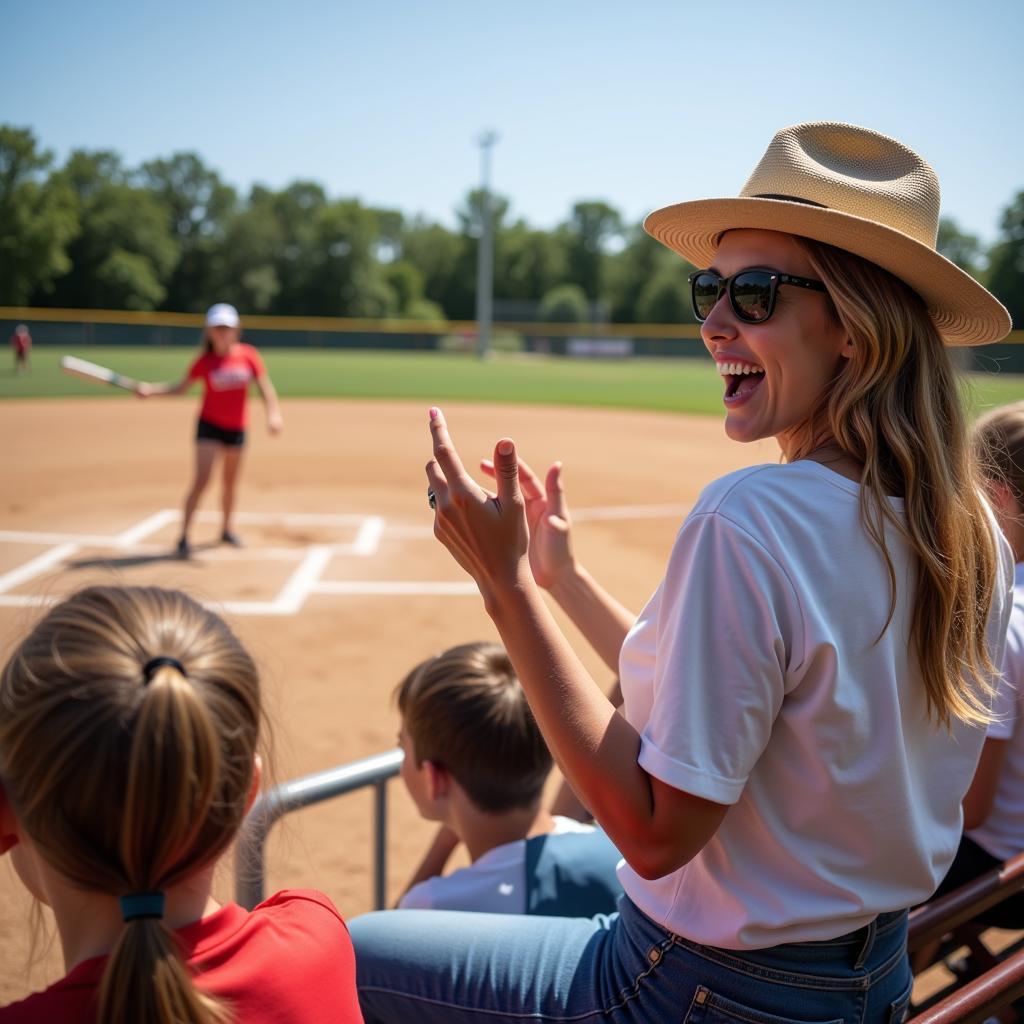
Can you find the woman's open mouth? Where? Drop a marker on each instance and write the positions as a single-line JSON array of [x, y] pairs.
[[741, 379]]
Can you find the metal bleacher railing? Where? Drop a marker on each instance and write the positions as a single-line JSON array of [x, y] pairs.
[[972, 1002], [375, 771]]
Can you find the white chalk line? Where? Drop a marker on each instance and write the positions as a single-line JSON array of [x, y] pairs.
[[155, 522], [313, 559], [37, 566]]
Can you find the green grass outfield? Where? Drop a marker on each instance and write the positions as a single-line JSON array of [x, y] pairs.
[[669, 385]]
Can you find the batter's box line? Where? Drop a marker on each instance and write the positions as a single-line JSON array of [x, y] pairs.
[[289, 599]]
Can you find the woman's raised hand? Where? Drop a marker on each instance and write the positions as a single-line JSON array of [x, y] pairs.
[[486, 533], [547, 514]]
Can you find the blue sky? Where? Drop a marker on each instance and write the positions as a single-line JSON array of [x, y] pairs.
[[639, 104]]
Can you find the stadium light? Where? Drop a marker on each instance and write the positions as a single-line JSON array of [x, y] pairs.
[[485, 250]]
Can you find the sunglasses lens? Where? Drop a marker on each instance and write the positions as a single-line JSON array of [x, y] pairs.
[[752, 295], [705, 294]]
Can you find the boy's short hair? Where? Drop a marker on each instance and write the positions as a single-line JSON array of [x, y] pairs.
[[999, 445], [466, 711]]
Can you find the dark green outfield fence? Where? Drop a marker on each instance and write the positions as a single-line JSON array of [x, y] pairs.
[[79, 329]]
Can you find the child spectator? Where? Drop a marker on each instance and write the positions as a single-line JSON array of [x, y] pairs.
[[476, 762], [994, 805], [129, 721]]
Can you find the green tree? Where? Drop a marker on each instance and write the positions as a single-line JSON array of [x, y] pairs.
[[958, 246], [199, 207], [528, 263], [665, 298], [628, 272], [591, 227], [295, 209], [37, 219], [459, 297], [342, 274], [1006, 261], [245, 269], [564, 304], [437, 254], [124, 252]]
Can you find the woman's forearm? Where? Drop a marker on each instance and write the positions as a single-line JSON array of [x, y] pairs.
[[602, 620]]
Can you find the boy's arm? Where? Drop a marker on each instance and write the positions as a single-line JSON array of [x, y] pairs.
[[436, 857]]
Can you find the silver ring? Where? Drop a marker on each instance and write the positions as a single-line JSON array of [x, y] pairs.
[[431, 497]]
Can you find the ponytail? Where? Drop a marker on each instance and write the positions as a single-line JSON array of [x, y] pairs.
[[146, 980]]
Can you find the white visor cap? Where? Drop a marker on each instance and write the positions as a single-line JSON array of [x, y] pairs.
[[222, 315]]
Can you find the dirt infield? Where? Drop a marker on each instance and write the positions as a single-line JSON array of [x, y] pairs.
[[341, 587]]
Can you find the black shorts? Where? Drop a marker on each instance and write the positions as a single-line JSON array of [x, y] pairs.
[[206, 431]]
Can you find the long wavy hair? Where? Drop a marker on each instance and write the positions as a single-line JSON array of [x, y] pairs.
[[128, 786], [895, 408]]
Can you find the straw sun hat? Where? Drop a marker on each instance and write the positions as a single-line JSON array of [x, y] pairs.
[[856, 190]]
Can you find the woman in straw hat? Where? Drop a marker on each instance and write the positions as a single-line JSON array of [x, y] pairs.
[[806, 693]]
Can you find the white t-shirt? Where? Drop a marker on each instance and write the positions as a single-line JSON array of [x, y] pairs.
[[1002, 835], [494, 883], [759, 676]]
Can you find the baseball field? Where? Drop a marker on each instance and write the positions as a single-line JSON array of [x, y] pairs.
[[341, 586]]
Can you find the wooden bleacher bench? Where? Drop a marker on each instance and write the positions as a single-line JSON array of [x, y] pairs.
[[1002, 980]]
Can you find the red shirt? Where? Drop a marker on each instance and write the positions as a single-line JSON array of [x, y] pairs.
[[226, 379], [288, 960]]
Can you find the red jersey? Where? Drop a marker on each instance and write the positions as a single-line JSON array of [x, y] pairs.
[[290, 959], [226, 379]]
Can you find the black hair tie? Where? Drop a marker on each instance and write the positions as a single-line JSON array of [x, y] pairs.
[[151, 666], [137, 906]]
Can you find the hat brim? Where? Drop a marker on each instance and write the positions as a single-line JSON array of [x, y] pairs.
[[964, 313]]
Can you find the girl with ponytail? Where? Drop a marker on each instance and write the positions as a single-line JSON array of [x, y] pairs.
[[129, 724]]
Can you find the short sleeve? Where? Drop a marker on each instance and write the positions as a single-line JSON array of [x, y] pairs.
[[417, 898], [256, 363], [1007, 706], [197, 369], [728, 626]]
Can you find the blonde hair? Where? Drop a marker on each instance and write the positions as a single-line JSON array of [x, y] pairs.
[[895, 408], [126, 785], [465, 709], [999, 445]]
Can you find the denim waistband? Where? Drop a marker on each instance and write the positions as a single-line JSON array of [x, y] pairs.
[[880, 925]]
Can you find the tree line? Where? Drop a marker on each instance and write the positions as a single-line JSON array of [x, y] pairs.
[[172, 235]]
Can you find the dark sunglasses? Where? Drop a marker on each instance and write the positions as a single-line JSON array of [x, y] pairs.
[[751, 292]]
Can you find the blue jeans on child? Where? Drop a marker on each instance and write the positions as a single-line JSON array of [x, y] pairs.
[[445, 967]]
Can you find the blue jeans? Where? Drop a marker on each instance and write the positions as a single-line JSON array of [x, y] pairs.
[[447, 967]]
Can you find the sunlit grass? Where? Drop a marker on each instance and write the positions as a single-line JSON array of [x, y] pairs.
[[671, 385]]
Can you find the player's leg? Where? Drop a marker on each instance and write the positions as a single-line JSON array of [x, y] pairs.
[[232, 464], [206, 456]]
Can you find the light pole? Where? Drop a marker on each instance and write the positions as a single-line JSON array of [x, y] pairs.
[[485, 250]]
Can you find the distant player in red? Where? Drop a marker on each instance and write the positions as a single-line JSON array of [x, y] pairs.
[[21, 342], [226, 367]]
